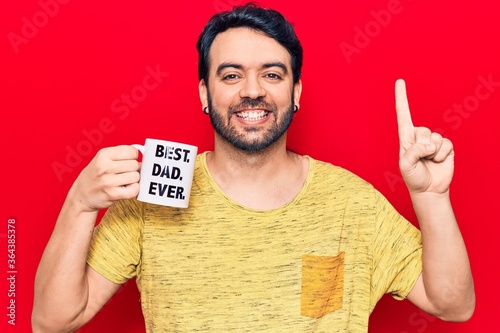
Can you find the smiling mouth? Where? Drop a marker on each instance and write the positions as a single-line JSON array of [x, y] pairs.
[[252, 115]]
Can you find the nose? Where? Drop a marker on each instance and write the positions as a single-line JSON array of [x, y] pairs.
[[252, 88]]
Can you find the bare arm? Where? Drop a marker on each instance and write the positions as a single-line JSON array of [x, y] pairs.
[[445, 288], [68, 293]]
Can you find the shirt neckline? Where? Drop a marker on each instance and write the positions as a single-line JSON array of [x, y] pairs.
[[237, 206]]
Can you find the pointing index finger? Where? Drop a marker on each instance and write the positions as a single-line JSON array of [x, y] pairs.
[[405, 125]]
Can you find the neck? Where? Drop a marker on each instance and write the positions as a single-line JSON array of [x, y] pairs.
[[248, 164], [261, 180]]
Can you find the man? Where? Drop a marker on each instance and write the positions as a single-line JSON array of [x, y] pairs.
[[272, 241]]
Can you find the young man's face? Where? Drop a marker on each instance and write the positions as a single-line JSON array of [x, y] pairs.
[[250, 94]]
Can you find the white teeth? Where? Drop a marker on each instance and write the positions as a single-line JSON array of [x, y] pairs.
[[252, 115]]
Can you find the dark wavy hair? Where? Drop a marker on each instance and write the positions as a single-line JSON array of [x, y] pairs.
[[252, 16]]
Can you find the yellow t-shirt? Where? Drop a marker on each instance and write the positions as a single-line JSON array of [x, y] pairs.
[[318, 264]]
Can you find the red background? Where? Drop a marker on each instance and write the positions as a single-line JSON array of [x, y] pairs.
[[64, 70]]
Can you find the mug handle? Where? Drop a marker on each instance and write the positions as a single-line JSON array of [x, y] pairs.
[[139, 147]]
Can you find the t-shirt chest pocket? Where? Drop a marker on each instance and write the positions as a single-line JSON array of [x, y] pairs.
[[322, 288]]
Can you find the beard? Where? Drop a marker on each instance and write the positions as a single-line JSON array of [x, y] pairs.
[[229, 133]]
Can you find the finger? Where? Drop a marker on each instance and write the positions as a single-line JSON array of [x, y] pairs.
[[415, 153], [122, 186], [119, 153], [422, 135], [444, 151], [125, 192], [405, 125], [434, 141], [109, 180], [103, 165], [124, 166], [437, 140], [128, 185], [128, 178]]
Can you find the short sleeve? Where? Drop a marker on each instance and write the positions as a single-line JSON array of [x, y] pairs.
[[397, 252], [115, 249]]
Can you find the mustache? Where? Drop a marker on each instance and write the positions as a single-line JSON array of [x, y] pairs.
[[252, 103]]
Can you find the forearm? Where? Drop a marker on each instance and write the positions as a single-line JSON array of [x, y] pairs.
[[61, 288], [446, 270]]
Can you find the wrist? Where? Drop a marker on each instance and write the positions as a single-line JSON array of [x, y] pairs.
[[77, 204], [430, 197], [431, 206], [75, 217]]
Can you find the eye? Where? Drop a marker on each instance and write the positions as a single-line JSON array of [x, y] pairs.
[[230, 77], [273, 76]]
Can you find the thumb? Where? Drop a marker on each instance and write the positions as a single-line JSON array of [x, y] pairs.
[[415, 153]]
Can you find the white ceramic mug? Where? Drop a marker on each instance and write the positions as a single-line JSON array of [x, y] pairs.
[[166, 172]]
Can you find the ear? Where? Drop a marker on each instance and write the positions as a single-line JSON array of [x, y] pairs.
[[202, 88], [297, 90]]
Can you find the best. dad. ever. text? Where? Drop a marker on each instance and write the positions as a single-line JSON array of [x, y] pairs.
[[169, 172]]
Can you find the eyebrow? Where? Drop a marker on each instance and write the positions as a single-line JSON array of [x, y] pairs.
[[276, 64], [225, 65]]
